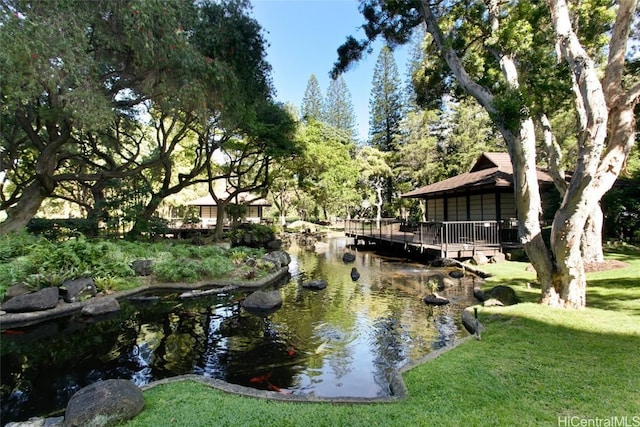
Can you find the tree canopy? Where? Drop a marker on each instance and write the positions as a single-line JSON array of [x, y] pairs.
[[84, 82]]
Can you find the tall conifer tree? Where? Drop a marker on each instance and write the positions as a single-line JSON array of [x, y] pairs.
[[339, 107], [312, 102], [386, 104]]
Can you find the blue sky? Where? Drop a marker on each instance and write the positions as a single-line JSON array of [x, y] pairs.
[[303, 37]]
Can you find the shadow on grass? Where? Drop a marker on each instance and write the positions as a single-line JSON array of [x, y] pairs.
[[615, 294], [625, 253]]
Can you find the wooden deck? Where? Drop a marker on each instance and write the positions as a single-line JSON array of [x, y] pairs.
[[455, 239]]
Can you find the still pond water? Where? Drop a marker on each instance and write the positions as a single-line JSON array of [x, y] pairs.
[[343, 341]]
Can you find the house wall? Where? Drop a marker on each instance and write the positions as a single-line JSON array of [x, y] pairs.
[[471, 207], [208, 214]]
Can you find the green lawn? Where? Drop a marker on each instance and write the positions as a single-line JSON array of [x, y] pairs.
[[534, 366]]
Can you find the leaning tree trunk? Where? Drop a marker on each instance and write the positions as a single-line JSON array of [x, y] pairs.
[[19, 215]]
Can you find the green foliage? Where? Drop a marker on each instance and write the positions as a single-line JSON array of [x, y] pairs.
[[312, 102], [61, 228], [252, 235], [510, 108], [338, 107], [386, 106], [176, 269]]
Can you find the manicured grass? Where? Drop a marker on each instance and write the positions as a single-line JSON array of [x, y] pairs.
[[534, 366]]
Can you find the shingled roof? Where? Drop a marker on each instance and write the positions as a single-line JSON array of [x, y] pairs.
[[491, 170]]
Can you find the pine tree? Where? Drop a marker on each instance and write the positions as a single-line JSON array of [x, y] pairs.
[[338, 111], [386, 104], [312, 107]]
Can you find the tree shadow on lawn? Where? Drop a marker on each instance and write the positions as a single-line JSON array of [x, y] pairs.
[[618, 294]]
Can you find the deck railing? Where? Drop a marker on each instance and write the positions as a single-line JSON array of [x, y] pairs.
[[439, 234]]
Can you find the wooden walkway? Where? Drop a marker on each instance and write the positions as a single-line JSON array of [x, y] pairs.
[[454, 239]]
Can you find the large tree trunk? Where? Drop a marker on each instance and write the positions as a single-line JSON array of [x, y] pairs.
[[529, 205], [19, 215], [142, 219], [220, 217], [599, 163], [591, 245]]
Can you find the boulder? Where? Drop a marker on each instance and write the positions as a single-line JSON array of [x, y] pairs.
[[15, 290], [274, 245], [479, 259], [479, 294], [435, 299], [262, 300], [104, 403], [78, 289], [444, 262], [456, 274], [348, 257], [499, 257], [101, 306], [470, 321], [142, 267], [492, 302], [355, 274], [44, 299], [277, 258], [315, 285], [505, 294]]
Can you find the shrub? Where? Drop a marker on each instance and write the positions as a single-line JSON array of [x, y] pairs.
[[176, 270], [216, 266]]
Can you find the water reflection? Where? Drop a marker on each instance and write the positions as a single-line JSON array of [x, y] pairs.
[[345, 340]]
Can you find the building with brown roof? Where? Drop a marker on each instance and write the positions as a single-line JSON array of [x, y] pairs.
[[486, 192]]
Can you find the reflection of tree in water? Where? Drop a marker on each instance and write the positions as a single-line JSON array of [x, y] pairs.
[[247, 346], [183, 342], [446, 327], [388, 348]]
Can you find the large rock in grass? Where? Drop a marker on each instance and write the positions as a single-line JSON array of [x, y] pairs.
[[36, 301], [104, 403], [142, 267], [505, 294]]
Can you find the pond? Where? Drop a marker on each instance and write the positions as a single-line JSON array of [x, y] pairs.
[[344, 341]]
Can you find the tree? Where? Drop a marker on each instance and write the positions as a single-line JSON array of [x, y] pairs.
[[386, 106], [418, 160], [471, 133], [312, 103], [374, 173], [123, 62], [85, 68], [504, 35], [246, 169], [338, 108], [326, 173]]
